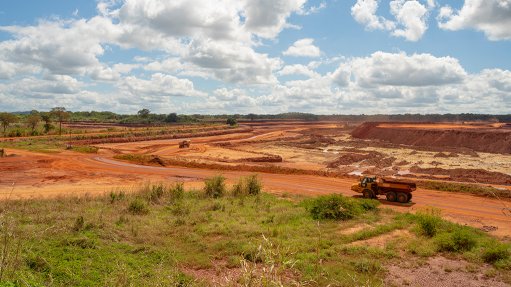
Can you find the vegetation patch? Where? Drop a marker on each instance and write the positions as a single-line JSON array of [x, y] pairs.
[[164, 235], [338, 207]]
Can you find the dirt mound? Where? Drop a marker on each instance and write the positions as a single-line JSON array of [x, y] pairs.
[[371, 158], [268, 158], [468, 175], [494, 140]]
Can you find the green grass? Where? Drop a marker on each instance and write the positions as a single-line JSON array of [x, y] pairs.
[[157, 235]]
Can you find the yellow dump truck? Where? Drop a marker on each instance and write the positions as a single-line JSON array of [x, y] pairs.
[[184, 144], [371, 187]]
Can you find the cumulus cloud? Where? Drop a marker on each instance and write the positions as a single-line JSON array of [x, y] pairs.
[[410, 17], [400, 69], [298, 69], [364, 12], [158, 85], [267, 18], [303, 48], [493, 17]]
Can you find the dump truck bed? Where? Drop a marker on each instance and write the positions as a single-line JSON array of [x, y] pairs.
[[397, 185]]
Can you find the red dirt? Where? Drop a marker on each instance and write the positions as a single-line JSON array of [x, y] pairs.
[[68, 172], [481, 138], [467, 175]]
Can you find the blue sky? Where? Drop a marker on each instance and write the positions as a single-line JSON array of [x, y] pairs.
[[242, 56]]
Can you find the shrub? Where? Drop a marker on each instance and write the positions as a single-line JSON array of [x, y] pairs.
[[138, 207], [335, 207], [429, 222], [369, 204], [177, 191], [459, 240], [79, 223], [250, 185], [157, 192], [367, 266], [215, 186], [117, 196], [496, 252]]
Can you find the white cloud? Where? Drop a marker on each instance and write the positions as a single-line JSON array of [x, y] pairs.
[[389, 69], [303, 48], [493, 17], [410, 17], [297, 69], [364, 12], [159, 85], [267, 18]]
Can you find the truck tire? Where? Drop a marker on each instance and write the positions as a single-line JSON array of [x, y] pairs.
[[402, 197], [391, 196], [367, 193]]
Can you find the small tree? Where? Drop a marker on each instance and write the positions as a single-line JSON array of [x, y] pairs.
[[61, 114], [33, 119], [6, 119], [232, 121], [46, 117], [171, 118], [144, 113]]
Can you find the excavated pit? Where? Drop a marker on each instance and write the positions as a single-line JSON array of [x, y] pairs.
[[478, 137]]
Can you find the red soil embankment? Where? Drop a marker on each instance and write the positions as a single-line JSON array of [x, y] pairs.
[[494, 140]]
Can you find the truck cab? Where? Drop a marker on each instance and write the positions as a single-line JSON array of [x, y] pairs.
[[365, 182]]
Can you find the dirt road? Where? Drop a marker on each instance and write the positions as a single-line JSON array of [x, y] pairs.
[[48, 175]]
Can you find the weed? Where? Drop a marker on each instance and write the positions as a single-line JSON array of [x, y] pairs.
[[138, 207], [335, 207], [250, 185], [79, 223], [177, 191], [156, 193], [429, 221], [461, 239], [367, 266], [116, 196], [496, 252], [215, 186]]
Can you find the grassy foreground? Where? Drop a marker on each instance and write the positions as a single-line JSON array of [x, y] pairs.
[[161, 235]]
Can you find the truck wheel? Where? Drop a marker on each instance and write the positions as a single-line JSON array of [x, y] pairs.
[[409, 196], [402, 197], [368, 193], [391, 196]]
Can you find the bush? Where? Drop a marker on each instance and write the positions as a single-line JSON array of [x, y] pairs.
[[117, 196], [177, 191], [461, 239], [369, 204], [138, 207], [496, 252], [156, 193], [429, 222], [215, 186], [335, 207], [231, 121], [250, 185]]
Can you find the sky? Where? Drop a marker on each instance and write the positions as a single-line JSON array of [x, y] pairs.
[[257, 56]]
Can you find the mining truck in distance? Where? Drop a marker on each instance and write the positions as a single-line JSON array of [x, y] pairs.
[[184, 144], [371, 187]]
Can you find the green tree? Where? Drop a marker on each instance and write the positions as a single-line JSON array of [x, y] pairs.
[[33, 119], [232, 121], [46, 117], [144, 113], [6, 119], [171, 118], [61, 114]]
